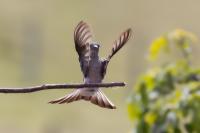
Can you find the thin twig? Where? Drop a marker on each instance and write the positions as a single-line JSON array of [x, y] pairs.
[[57, 86]]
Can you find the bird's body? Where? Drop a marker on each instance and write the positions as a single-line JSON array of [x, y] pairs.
[[93, 68], [94, 72]]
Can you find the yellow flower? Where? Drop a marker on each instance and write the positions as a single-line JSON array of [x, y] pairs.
[[180, 34], [156, 46], [150, 118]]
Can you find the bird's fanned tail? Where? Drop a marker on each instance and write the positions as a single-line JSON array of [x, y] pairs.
[[97, 98]]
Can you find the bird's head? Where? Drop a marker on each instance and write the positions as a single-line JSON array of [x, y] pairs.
[[94, 46], [94, 49]]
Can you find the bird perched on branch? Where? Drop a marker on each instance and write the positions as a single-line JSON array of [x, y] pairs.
[[93, 67]]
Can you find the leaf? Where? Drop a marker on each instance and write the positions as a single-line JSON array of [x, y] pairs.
[[175, 98], [149, 81]]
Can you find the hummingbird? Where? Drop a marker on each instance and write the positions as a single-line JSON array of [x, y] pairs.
[[92, 66]]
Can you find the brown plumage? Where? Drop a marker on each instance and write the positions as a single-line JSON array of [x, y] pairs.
[[118, 44], [97, 98]]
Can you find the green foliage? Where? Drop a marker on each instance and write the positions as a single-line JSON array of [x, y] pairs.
[[166, 98]]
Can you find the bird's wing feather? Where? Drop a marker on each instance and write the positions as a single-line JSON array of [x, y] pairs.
[[118, 44], [82, 40], [104, 64]]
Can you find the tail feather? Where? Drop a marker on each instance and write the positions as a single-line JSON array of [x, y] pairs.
[[97, 98], [106, 101]]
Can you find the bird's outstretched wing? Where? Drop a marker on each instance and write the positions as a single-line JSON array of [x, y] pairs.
[[82, 40], [118, 44]]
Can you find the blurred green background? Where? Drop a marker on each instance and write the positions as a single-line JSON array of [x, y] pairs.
[[36, 47]]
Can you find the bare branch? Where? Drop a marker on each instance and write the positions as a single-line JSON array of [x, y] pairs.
[[58, 86]]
